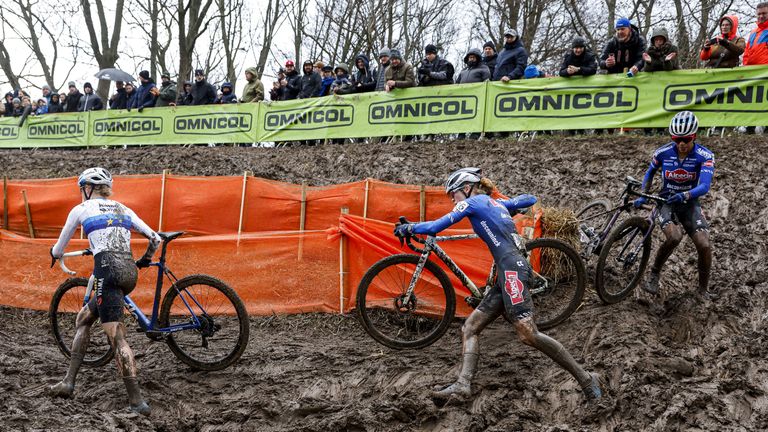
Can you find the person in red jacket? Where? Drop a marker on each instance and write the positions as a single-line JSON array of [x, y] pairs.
[[756, 52], [724, 50]]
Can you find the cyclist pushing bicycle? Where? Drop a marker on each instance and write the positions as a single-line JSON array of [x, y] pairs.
[[492, 222], [108, 225], [687, 169]]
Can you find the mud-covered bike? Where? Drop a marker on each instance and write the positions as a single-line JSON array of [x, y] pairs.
[[203, 320], [623, 248], [407, 301]]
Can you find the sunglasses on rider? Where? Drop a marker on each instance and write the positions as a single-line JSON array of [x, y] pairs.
[[684, 139]]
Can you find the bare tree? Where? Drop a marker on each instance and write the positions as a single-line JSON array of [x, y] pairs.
[[103, 46], [158, 34], [232, 17], [193, 20], [271, 18]]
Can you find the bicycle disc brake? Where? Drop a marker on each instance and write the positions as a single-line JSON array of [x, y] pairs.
[[403, 307]]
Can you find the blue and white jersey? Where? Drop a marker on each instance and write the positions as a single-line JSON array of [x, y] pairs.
[[490, 220], [692, 174], [107, 224]]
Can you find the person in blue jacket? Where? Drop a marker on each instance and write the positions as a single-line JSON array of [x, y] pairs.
[[492, 222], [512, 60], [687, 169]]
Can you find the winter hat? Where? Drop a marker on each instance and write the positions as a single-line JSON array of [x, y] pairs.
[[71, 84], [16, 100], [579, 41], [342, 66], [531, 72], [384, 52], [165, 75], [87, 85], [510, 32], [623, 22], [226, 84], [46, 86], [490, 45], [395, 54], [308, 62], [199, 72], [327, 68], [144, 74], [430, 49]]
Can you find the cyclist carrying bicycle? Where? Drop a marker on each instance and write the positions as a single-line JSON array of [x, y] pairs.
[[687, 169], [108, 225], [492, 221]]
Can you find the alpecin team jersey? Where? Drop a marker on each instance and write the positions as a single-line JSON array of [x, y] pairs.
[[107, 224], [490, 220], [693, 174]]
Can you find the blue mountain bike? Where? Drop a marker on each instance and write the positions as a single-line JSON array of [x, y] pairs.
[[202, 320]]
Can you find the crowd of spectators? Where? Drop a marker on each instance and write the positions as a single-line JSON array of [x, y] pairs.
[[627, 52]]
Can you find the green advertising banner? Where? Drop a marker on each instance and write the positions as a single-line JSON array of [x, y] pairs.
[[719, 97], [414, 111], [231, 123]]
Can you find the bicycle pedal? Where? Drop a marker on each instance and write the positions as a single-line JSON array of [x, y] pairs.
[[473, 302]]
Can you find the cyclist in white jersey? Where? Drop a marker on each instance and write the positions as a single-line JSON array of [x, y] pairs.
[[108, 225]]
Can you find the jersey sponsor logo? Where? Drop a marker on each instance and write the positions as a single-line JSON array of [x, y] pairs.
[[58, 129], [310, 118], [567, 102], [9, 132], [491, 236], [128, 126], [496, 204], [513, 287], [708, 164], [213, 123], [426, 109], [743, 95], [705, 154], [680, 175], [460, 207]]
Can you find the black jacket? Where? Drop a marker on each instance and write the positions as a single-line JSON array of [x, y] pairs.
[[438, 72], [203, 93], [55, 107], [310, 85], [627, 54], [491, 63], [511, 61], [292, 89], [586, 61], [73, 100], [364, 80], [119, 100]]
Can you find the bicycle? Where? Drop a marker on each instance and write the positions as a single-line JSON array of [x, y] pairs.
[[608, 234], [202, 319], [407, 301]]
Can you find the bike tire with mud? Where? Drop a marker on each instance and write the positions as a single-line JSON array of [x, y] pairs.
[[67, 301], [615, 277], [396, 325]]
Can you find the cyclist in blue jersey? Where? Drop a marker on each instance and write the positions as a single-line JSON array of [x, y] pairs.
[[492, 222], [108, 225], [686, 169]]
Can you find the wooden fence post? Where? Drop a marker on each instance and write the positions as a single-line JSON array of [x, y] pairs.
[[29, 214], [365, 199], [302, 219], [343, 267], [242, 206], [423, 204], [162, 199], [5, 202]]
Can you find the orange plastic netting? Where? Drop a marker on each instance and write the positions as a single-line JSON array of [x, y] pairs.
[[273, 266]]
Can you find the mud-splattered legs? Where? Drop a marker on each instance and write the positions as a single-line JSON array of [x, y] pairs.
[[673, 234], [83, 323], [470, 333], [530, 335], [704, 250], [126, 364]]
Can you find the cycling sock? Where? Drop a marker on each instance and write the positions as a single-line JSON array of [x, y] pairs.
[[468, 368], [66, 386], [557, 352], [135, 399]]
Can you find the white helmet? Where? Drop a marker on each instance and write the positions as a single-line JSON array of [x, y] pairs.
[[683, 124], [95, 176], [462, 176]]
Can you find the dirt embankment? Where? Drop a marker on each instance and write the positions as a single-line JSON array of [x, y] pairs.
[[675, 364]]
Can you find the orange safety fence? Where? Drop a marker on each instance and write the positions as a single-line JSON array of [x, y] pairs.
[[273, 266]]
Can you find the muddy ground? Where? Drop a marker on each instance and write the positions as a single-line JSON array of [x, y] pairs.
[[672, 363]]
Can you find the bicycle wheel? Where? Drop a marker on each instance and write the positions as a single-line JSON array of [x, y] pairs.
[[221, 322], [399, 325], [67, 301], [588, 214], [558, 281], [623, 260]]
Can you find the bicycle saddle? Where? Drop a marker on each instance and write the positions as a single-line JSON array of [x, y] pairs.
[[168, 236]]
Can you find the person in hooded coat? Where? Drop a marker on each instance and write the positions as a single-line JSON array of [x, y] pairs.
[[364, 80], [724, 50], [55, 106], [661, 54], [512, 60], [310, 82], [254, 90], [579, 61], [328, 79], [490, 56], [475, 70], [8, 102], [342, 83], [625, 49], [227, 94]]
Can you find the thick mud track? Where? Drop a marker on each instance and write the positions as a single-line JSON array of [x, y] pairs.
[[670, 363]]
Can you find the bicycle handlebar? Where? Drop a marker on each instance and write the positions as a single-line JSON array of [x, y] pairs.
[[72, 254], [407, 239]]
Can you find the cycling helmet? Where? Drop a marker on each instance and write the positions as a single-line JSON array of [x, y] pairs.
[[95, 176], [683, 123], [461, 177]]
